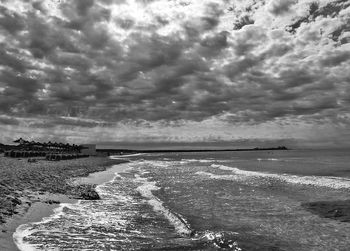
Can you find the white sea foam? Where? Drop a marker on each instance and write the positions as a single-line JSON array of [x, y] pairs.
[[18, 237], [153, 164], [222, 167], [26, 230], [189, 160], [125, 156], [197, 160], [205, 161], [214, 176], [219, 240], [320, 181], [176, 220], [269, 159], [81, 214]]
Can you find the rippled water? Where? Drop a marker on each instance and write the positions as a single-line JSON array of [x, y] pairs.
[[205, 201]]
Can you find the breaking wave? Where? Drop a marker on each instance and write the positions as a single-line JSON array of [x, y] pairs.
[[270, 159], [126, 155], [220, 240], [180, 224], [25, 230], [320, 181]]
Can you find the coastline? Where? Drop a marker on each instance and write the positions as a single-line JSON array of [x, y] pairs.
[[51, 188], [34, 213]]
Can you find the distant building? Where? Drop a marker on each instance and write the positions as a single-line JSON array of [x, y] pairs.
[[89, 149]]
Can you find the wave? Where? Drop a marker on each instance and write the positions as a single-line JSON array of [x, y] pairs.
[[18, 237], [270, 159], [225, 168], [138, 165], [220, 240], [25, 230], [198, 160], [180, 224], [84, 215], [125, 155], [319, 181]]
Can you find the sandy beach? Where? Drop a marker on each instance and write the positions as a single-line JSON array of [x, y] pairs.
[[30, 191]]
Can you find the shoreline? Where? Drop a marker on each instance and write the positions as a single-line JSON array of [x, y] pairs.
[[34, 213], [100, 177], [35, 204], [130, 151]]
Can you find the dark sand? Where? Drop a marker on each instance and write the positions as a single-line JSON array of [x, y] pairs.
[[30, 191]]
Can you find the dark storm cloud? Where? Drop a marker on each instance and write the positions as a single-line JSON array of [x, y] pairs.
[[38, 5], [83, 6], [19, 94], [23, 86], [42, 38], [11, 60], [8, 121], [148, 53], [214, 43], [96, 62], [11, 21]]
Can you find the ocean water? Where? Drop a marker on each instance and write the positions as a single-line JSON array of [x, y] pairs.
[[205, 201]]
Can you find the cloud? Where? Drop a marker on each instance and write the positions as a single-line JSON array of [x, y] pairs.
[[5, 120], [280, 7], [70, 122], [11, 21], [171, 63]]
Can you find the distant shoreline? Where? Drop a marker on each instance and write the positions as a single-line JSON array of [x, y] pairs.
[[280, 148]]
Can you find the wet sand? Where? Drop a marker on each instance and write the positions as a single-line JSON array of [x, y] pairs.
[[31, 191], [34, 213], [98, 178]]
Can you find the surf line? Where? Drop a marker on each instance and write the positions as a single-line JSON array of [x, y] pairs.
[[319, 181], [25, 230], [180, 224]]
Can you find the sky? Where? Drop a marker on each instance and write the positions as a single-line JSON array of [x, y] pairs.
[[196, 72]]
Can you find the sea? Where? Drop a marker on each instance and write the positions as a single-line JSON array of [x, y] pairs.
[[205, 201]]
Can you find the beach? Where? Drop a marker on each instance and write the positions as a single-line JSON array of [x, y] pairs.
[[293, 200], [290, 200], [30, 191]]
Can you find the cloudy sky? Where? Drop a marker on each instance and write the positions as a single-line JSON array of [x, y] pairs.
[[217, 71]]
